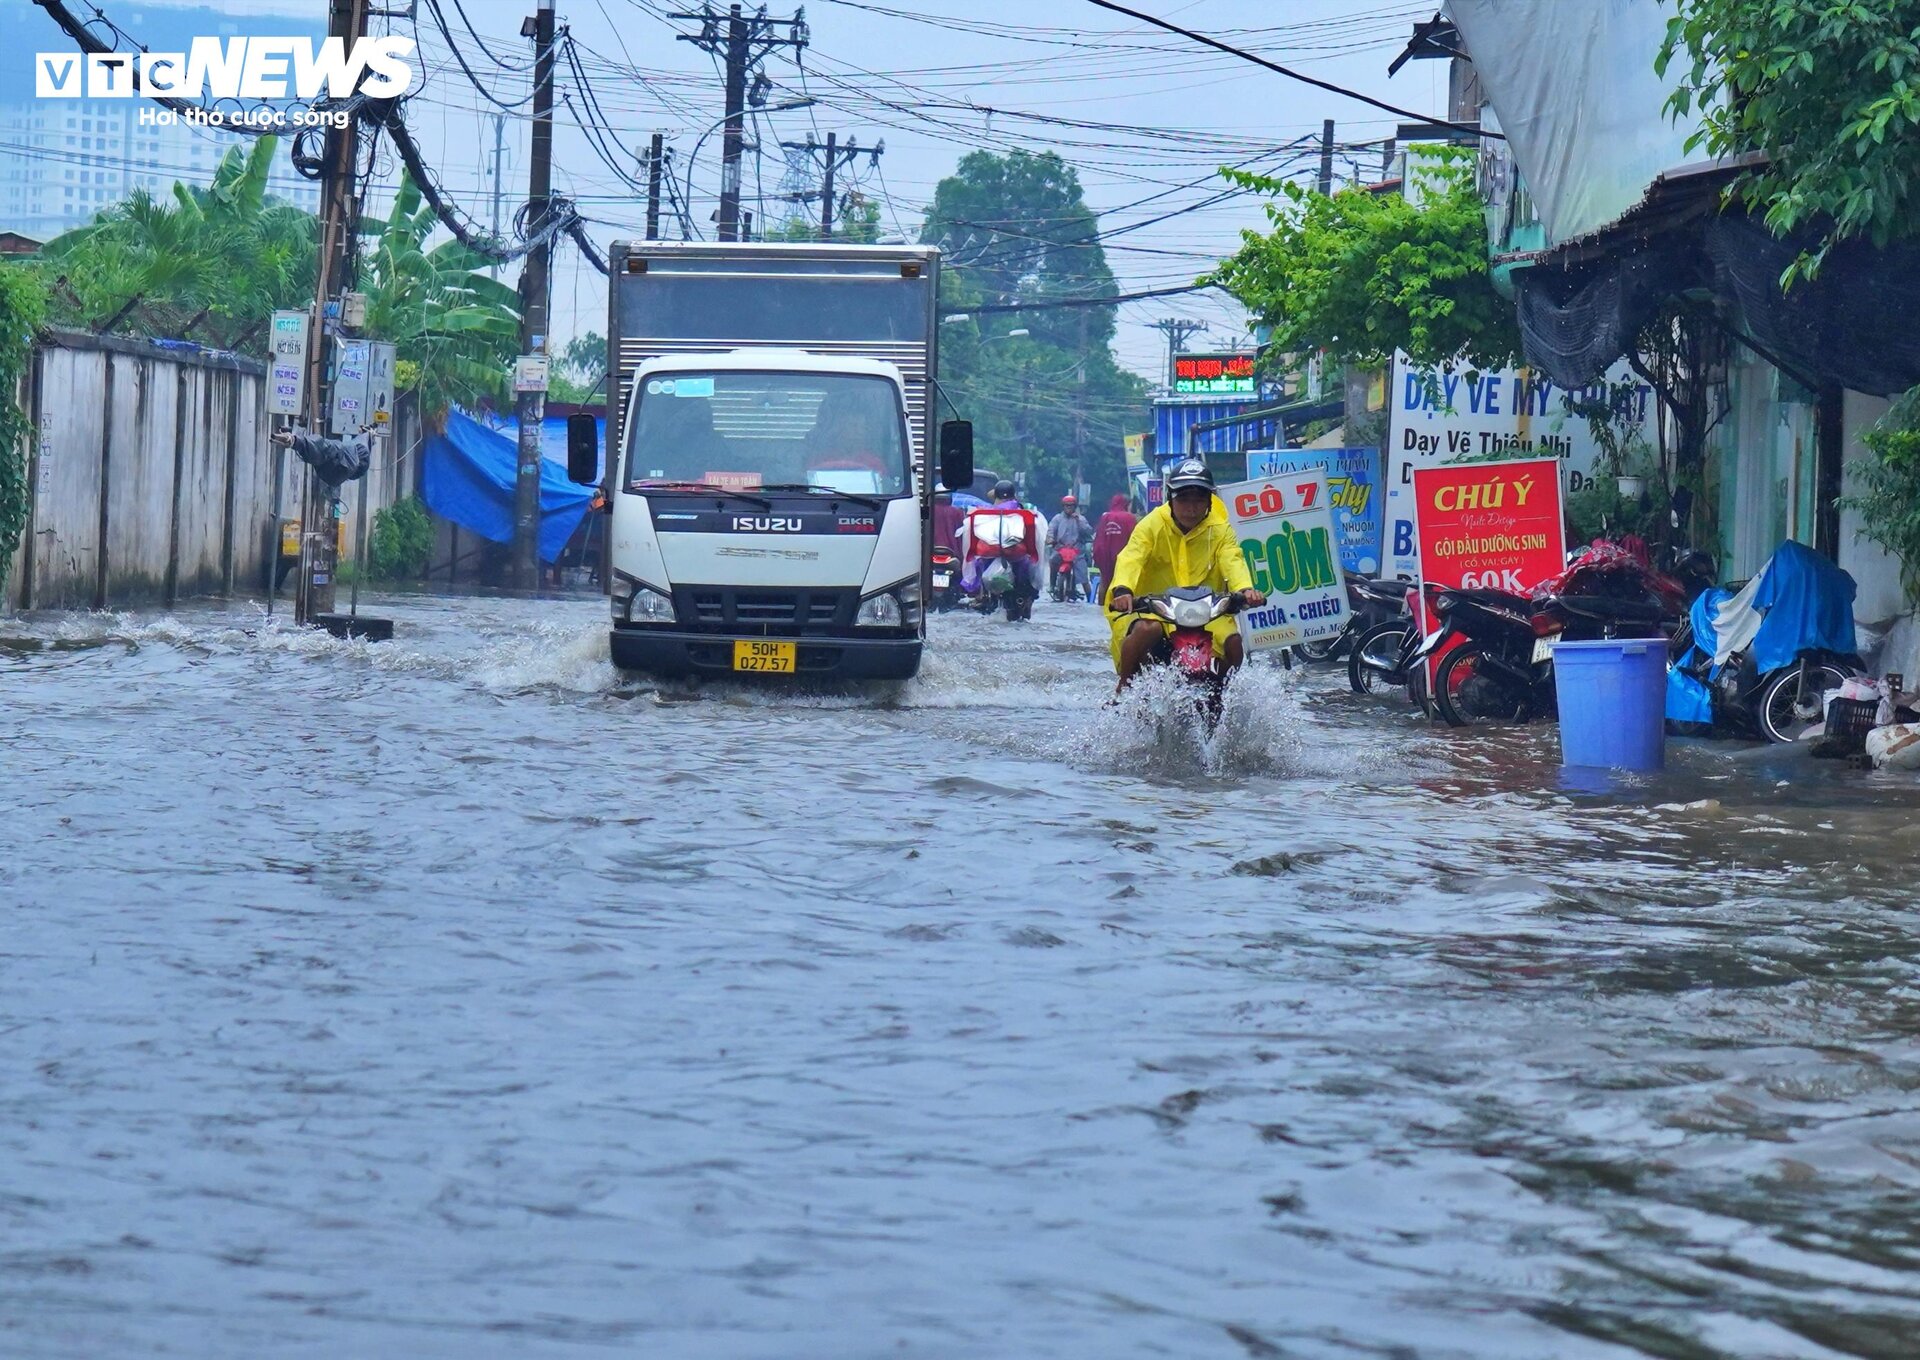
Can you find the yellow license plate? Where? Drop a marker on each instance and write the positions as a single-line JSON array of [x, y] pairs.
[[770, 658]]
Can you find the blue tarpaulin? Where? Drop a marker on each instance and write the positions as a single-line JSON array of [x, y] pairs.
[[468, 477], [1808, 603]]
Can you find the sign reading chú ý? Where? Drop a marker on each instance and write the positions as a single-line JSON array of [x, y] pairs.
[[1285, 528], [1490, 526]]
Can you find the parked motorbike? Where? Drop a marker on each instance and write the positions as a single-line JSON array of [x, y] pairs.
[[1382, 656], [1190, 646], [1065, 588], [1759, 661], [946, 580], [1503, 670]]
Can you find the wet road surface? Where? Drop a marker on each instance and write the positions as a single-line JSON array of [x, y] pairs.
[[457, 997]]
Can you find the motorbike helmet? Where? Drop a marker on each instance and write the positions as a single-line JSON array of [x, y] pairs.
[[1003, 490], [1070, 500], [1188, 473]]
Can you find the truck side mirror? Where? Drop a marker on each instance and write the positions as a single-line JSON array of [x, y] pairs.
[[583, 448], [956, 455]]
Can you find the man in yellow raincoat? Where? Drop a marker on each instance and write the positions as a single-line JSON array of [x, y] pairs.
[[1186, 542]]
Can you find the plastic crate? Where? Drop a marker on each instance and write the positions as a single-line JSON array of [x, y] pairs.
[[1849, 721]]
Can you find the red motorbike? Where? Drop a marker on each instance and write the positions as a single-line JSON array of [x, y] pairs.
[[946, 580], [1064, 586], [1188, 649]]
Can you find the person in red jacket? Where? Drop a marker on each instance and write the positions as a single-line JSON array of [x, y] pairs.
[[1110, 535], [1003, 530]]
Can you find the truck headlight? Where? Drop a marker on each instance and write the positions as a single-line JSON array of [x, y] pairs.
[[636, 602], [878, 611], [895, 607], [650, 606]]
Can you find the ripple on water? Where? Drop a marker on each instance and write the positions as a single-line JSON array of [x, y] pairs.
[[366, 999]]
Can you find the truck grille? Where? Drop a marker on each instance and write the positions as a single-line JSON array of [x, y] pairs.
[[788, 613]]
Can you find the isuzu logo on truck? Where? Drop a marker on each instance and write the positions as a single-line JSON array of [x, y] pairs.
[[766, 524]]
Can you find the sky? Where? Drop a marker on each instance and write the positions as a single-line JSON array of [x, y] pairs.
[[934, 79]]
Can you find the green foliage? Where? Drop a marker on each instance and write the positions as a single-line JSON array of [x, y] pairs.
[[400, 541], [458, 327], [201, 263], [23, 307], [1015, 229], [858, 221], [1601, 509], [584, 358], [1361, 274], [1887, 488], [1829, 90]]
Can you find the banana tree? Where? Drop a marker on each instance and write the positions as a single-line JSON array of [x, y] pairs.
[[455, 330], [200, 262]]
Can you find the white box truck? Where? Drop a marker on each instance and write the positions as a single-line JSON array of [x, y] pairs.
[[770, 417]]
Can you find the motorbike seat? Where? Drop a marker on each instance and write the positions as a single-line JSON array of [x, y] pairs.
[[1387, 592], [1503, 599], [1609, 609]]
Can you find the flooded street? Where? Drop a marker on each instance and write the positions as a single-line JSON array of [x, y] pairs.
[[459, 997]]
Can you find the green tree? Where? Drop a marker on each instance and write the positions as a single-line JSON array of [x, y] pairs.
[[1827, 90], [23, 305], [206, 262], [1886, 487], [1016, 229], [455, 330], [858, 220], [1361, 274]]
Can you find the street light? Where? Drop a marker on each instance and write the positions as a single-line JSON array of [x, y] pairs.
[[686, 199]]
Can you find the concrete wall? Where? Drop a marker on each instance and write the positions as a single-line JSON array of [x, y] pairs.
[[153, 480]]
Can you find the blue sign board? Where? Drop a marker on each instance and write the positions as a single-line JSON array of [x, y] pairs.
[[1353, 489]]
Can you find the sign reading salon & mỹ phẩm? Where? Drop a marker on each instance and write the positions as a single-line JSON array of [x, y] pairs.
[[1286, 533]]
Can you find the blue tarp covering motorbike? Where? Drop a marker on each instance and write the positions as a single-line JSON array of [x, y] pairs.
[[1799, 602], [468, 478]]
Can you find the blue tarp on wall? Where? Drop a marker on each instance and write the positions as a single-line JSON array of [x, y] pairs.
[[468, 475]]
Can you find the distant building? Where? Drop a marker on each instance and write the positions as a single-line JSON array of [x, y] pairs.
[[68, 159], [13, 243]]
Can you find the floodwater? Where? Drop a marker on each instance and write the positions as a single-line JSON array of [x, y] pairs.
[[456, 997]]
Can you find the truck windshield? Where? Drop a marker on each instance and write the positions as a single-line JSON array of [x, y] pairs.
[[836, 431]]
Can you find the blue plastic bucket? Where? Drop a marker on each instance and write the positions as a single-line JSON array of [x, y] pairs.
[[1612, 697]]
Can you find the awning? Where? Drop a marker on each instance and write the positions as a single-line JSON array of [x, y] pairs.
[[1580, 306]]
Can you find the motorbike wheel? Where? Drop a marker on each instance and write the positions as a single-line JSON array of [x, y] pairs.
[[1464, 696], [1372, 664], [1417, 692], [1790, 702], [1326, 649]]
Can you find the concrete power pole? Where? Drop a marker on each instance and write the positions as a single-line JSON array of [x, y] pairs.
[[530, 407], [735, 133], [1177, 330], [499, 151], [740, 40], [1326, 157], [826, 189], [654, 153], [339, 213], [836, 157]]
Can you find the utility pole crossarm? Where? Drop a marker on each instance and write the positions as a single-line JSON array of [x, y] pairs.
[[742, 41]]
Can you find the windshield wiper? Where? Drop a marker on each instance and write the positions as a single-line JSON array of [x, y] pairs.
[[700, 488], [871, 502]]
